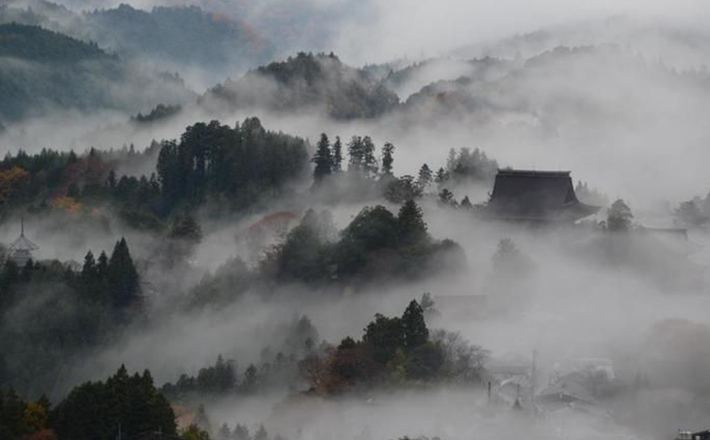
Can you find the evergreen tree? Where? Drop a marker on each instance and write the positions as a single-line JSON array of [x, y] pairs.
[[241, 432], [356, 153], [414, 327], [619, 217], [122, 276], [425, 176], [88, 271], [224, 432], [323, 159], [441, 176], [337, 155], [111, 181], [261, 434], [387, 159], [369, 159], [446, 198], [385, 336], [411, 228], [186, 228]]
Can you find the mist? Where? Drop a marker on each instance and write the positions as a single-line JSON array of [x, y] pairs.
[[278, 275]]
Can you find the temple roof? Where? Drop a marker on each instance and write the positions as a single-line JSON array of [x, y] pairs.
[[536, 195]]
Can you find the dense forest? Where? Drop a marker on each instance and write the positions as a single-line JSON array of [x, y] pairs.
[[307, 220]]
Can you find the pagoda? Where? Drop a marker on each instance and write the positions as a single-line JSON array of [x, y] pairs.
[[21, 249]]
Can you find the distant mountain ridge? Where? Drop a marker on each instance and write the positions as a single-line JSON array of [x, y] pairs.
[[42, 70]]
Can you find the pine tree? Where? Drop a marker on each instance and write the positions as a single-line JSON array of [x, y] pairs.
[[88, 271], [241, 432], [356, 153], [414, 327], [122, 276], [337, 155], [441, 176], [323, 159], [425, 176], [369, 159], [261, 434], [411, 228], [387, 159]]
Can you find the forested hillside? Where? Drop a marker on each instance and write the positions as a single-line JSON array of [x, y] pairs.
[[306, 82], [42, 70], [182, 35]]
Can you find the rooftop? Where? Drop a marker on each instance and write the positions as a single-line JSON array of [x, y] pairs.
[[536, 195]]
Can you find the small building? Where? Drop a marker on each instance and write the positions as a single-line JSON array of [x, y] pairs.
[[535, 196], [20, 250]]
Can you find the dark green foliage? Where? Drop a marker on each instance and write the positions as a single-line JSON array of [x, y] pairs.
[[186, 228], [362, 156], [179, 34], [337, 155], [426, 176], [43, 70], [160, 112], [424, 361], [323, 160], [227, 284], [122, 277], [401, 189], [470, 165], [94, 410], [305, 254], [307, 81], [446, 198], [384, 335], [413, 326], [374, 244], [37, 44], [411, 228], [397, 350], [246, 163], [387, 159], [619, 217]]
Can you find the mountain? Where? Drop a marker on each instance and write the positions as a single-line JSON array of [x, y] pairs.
[[307, 81], [42, 70], [183, 35], [681, 45], [188, 39]]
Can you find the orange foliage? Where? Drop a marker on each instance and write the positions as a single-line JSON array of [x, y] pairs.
[[11, 181], [68, 204]]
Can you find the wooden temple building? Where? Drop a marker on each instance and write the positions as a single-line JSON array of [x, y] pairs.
[[536, 197]]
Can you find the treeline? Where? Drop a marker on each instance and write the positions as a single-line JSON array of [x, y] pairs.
[[124, 406], [50, 312], [278, 370], [336, 174], [232, 168], [397, 351], [376, 243], [376, 246]]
